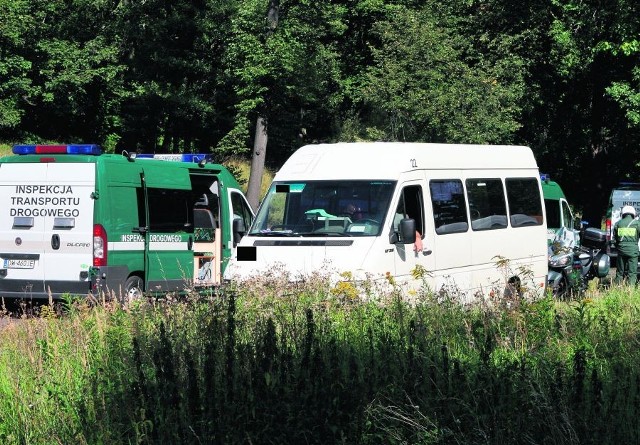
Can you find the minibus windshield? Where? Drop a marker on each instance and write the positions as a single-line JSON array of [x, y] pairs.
[[324, 208]]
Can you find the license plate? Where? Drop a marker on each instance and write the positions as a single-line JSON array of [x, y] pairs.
[[19, 264]]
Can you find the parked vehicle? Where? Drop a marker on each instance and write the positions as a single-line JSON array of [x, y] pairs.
[[471, 204], [561, 224], [627, 193], [75, 220], [572, 267]]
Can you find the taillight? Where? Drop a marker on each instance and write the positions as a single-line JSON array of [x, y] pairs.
[[608, 227], [99, 246]]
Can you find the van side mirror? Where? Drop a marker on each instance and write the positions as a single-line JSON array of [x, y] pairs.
[[407, 230], [239, 230], [406, 233]]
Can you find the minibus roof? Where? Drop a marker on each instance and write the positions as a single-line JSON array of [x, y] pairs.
[[387, 160]]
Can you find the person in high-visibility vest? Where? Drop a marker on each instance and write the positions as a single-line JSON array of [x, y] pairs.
[[626, 233]]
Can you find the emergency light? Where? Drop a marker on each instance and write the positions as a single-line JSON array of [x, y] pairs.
[[184, 157], [86, 149], [545, 177]]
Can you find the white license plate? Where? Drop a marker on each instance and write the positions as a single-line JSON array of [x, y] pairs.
[[19, 264]]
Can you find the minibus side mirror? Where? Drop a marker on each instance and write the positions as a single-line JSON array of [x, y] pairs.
[[239, 230], [408, 231]]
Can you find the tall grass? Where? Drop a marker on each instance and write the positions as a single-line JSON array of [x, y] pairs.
[[267, 363]]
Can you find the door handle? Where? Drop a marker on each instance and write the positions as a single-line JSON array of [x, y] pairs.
[[55, 242]]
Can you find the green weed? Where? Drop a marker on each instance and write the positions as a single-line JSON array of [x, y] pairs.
[[279, 361]]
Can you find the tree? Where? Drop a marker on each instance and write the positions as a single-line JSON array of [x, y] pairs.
[[426, 83], [14, 67], [173, 49], [282, 68]]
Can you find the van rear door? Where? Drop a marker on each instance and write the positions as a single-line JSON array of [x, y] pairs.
[[68, 228], [46, 221]]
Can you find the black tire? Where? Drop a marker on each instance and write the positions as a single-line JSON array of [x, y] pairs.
[[133, 289], [561, 292]]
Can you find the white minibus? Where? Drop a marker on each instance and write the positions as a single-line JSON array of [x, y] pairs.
[[358, 207]]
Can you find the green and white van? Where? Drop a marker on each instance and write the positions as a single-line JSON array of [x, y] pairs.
[[560, 220], [76, 221]]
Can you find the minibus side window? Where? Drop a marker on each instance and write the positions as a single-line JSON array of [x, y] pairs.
[[525, 208], [487, 206], [449, 206], [170, 211]]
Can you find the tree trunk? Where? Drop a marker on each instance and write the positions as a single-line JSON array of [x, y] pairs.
[[261, 137], [257, 164]]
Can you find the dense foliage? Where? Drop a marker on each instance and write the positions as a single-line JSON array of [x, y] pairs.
[[562, 76], [308, 364]]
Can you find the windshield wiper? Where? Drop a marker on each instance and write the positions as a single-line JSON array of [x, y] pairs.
[[274, 233], [323, 234]]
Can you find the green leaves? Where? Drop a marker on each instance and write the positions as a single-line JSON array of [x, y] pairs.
[[425, 86]]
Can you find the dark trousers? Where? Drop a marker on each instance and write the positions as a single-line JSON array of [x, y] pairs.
[[627, 269]]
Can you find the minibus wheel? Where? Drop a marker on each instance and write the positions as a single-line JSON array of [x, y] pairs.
[[133, 288]]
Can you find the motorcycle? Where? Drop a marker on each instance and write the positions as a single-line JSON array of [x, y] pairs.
[[572, 267]]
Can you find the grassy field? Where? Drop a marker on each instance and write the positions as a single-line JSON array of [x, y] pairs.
[[271, 362]]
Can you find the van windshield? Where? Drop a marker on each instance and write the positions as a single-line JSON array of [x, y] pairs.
[[324, 208]]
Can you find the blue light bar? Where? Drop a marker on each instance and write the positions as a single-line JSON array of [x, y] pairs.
[[81, 149], [184, 157]]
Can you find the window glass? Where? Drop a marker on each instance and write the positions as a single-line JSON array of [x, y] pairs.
[[449, 206], [523, 195], [170, 210], [566, 215], [487, 206], [241, 209], [410, 205], [324, 208], [553, 213]]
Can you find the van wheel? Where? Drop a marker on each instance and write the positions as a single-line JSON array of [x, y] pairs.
[[133, 288]]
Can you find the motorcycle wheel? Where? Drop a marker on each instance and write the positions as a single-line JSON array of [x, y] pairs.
[[560, 291]]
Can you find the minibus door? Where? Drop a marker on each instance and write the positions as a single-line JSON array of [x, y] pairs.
[[169, 229], [411, 204]]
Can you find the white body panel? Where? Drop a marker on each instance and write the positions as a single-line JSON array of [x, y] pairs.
[[466, 261], [47, 213]]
